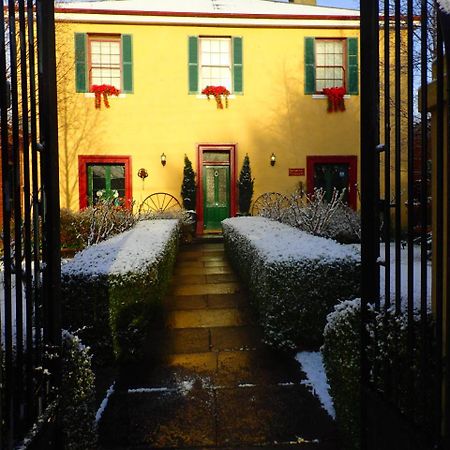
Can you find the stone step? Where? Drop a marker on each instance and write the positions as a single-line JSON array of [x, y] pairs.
[[202, 289], [206, 318]]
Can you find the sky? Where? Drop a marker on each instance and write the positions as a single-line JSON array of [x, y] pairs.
[[354, 4]]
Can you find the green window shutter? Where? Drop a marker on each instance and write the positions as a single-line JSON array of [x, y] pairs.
[[238, 76], [80, 62], [352, 66], [127, 64], [193, 64], [310, 66]]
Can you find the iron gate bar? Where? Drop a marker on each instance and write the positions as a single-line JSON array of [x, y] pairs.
[[446, 422], [438, 227], [369, 190], [397, 163], [410, 232], [36, 217], [387, 153], [51, 273], [6, 405], [26, 213]]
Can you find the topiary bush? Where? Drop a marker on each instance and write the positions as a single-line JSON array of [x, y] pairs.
[[188, 187], [113, 291], [77, 400], [388, 337], [294, 279], [245, 186]]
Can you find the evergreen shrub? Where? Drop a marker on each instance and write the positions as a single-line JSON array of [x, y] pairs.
[[188, 188], [245, 185], [294, 279], [388, 344], [112, 291]]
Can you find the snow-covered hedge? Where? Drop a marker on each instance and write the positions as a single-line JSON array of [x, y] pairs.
[[113, 290], [388, 334], [77, 405], [294, 279]]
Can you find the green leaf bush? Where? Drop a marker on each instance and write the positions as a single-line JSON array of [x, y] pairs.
[[112, 291], [388, 343], [77, 400], [294, 279]]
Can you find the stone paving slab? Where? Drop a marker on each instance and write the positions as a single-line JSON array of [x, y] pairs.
[[200, 289], [207, 381], [201, 318], [267, 415], [234, 338], [186, 302], [215, 270]]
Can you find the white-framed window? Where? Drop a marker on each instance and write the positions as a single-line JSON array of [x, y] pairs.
[[330, 63], [215, 62], [105, 65]]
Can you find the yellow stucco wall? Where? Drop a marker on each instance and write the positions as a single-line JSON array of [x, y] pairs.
[[273, 114]]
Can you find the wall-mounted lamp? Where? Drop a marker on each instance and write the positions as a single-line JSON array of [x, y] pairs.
[[163, 159], [273, 159], [142, 173]]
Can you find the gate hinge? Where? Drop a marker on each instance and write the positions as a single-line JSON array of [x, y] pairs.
[[380, 148], [40, 146]]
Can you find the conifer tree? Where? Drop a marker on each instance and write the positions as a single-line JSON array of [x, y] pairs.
[[188, 188], [245, 184]]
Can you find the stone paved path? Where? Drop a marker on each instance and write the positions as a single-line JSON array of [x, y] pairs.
[[207, 380]]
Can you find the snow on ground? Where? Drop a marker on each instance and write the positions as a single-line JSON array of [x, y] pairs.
[[316, 379], [279, 242], [445, 5], [127, 252], [104, 403], [417, 281]]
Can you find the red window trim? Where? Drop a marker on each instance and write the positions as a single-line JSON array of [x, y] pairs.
[[351, 160], [201, 148], [104, 38], [84, 160]]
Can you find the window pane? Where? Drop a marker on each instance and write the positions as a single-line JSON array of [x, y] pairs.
[[320, 84], [215, 59], [105, 62], [215, 45]]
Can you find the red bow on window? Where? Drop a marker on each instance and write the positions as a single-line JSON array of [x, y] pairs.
[[217, 92], [335, 98], [103, 90]]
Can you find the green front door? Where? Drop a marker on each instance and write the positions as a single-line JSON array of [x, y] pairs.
[[216, 195]]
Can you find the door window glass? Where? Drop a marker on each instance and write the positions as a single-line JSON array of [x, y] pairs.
[[106, 182], [329, 177]]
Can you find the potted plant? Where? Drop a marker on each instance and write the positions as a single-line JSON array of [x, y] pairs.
[[189, 191], [245, 186]]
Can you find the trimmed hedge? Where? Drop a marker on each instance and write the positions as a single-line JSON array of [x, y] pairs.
[[113, 291], [294, 279], [77, 404], [388, 334]]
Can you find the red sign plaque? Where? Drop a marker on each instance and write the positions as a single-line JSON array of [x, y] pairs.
[[297, 172]]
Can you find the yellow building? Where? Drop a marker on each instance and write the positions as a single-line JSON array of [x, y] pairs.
[[273, 57]]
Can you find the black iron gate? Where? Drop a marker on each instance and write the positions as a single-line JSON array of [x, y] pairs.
[[30, 262], [405, 193]]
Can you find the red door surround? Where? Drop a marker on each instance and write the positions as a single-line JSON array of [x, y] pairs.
[[352, 162], [201, 149], [83, 162]]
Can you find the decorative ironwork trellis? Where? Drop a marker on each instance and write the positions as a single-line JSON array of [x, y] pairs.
[[405, 397], [30, 261]]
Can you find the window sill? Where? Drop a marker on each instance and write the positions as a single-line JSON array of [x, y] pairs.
[[92, 95], [322, 96]]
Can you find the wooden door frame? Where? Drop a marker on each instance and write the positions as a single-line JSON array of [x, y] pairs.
[[201, 148], [351, 160]]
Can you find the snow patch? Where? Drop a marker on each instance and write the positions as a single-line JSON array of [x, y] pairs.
[[278, 242], [104, 403], [445, 5], [130, 251], [312, 365]]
